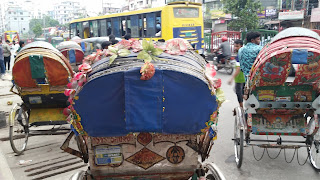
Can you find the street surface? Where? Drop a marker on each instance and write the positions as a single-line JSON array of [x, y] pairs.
[[43, 158]]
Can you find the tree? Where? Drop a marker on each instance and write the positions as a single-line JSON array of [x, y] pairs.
[[37, 30], [244, 13]]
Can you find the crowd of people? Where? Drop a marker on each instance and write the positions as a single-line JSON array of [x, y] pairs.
[[6, 52]]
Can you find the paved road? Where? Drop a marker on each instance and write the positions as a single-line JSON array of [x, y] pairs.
[[223, 152]]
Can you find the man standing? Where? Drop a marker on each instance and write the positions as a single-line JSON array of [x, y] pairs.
[[247, 54], [6, 54], [2, 68], [15, 47], [238, 76]]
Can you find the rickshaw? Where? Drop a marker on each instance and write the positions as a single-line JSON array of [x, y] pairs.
[[159, 124], [280, 105], [73, 52], [56, 40], [40, 76]]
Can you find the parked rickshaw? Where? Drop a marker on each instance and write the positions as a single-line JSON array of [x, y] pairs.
[[279, 105], [56, 40], [73, 52], [145, 113], [40, 76]]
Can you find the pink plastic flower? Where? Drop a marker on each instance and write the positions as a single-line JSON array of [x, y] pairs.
[[84, 67], [69, 92], [147, 71], [210, 70], [217, 83], [136, 45], [123, 44], [176, 46]]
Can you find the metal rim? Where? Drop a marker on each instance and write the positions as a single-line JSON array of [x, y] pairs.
[[314, 151], [18, 134], [213, 172], [238, 142]]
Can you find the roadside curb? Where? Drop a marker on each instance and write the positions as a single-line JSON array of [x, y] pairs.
[[5, 172]]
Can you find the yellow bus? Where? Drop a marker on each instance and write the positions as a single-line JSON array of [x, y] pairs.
[[175, 20]]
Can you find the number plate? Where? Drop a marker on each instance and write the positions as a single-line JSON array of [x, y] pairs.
[[108, 155], [35, 100]]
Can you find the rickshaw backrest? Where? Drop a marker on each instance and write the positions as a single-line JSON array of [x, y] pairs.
[[292, 46]]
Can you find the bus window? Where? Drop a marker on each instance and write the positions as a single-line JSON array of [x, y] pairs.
[[80, 30], [158, 24], [103, 28], [94, 29], [86, 30], [151, 24], [73, 31], [128, 25], [134, 26], [116, 27], [109, 29], [123, 26]]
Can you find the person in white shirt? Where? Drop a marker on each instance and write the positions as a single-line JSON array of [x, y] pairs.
[[14, 48]]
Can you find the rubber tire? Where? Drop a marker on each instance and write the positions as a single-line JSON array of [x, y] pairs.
[[229, 70], [311, 158], [19, 151], [238, 148]]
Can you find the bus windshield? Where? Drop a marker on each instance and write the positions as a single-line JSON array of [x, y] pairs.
[[186, 12]]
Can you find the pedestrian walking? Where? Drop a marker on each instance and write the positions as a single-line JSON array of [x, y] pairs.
[[6, 54], [14, 48], [238, 76], [248, 54], [2, 67], [21, 44]]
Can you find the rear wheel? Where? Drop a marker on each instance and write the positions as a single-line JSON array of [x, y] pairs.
[[229, 70], [19, 130], [314, 151], [212, 172], [238, 140]]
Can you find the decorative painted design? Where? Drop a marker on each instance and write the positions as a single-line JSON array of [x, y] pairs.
[[144, 138], [266, 95], [128, 139], [175, 154], [275, 70], [211, 126], [302, 96], [278, 123], [308, 73], [174, 138], [145, 158]]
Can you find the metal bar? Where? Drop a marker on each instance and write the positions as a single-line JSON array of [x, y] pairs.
[[282, 141]]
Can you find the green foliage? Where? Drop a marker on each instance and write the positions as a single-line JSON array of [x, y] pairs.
[[149, 52], [37, 30], [244, 12], [46, 22]]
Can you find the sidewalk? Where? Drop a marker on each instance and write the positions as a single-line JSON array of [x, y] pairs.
[[5, 172]]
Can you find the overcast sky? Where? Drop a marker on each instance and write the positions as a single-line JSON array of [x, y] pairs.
[[91, 5]]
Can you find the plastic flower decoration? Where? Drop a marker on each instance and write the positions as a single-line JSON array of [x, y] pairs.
[[176, 46], [117, 51], [148, 54]]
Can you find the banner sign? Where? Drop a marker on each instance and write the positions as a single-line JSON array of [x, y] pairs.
[[291, 15], [261, 14], [315, 14], [271, 12]]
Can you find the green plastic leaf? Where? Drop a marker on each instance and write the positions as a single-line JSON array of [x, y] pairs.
[[112, 58], [156, 51], [123, 52], [144, 56], [145, 44], [112, 49]]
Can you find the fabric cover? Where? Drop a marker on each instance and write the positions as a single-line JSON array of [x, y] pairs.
[[299, 56], [72, 56], [37, 66]]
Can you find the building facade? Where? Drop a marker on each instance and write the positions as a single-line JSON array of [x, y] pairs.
[[17, 19], [66, 11]]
